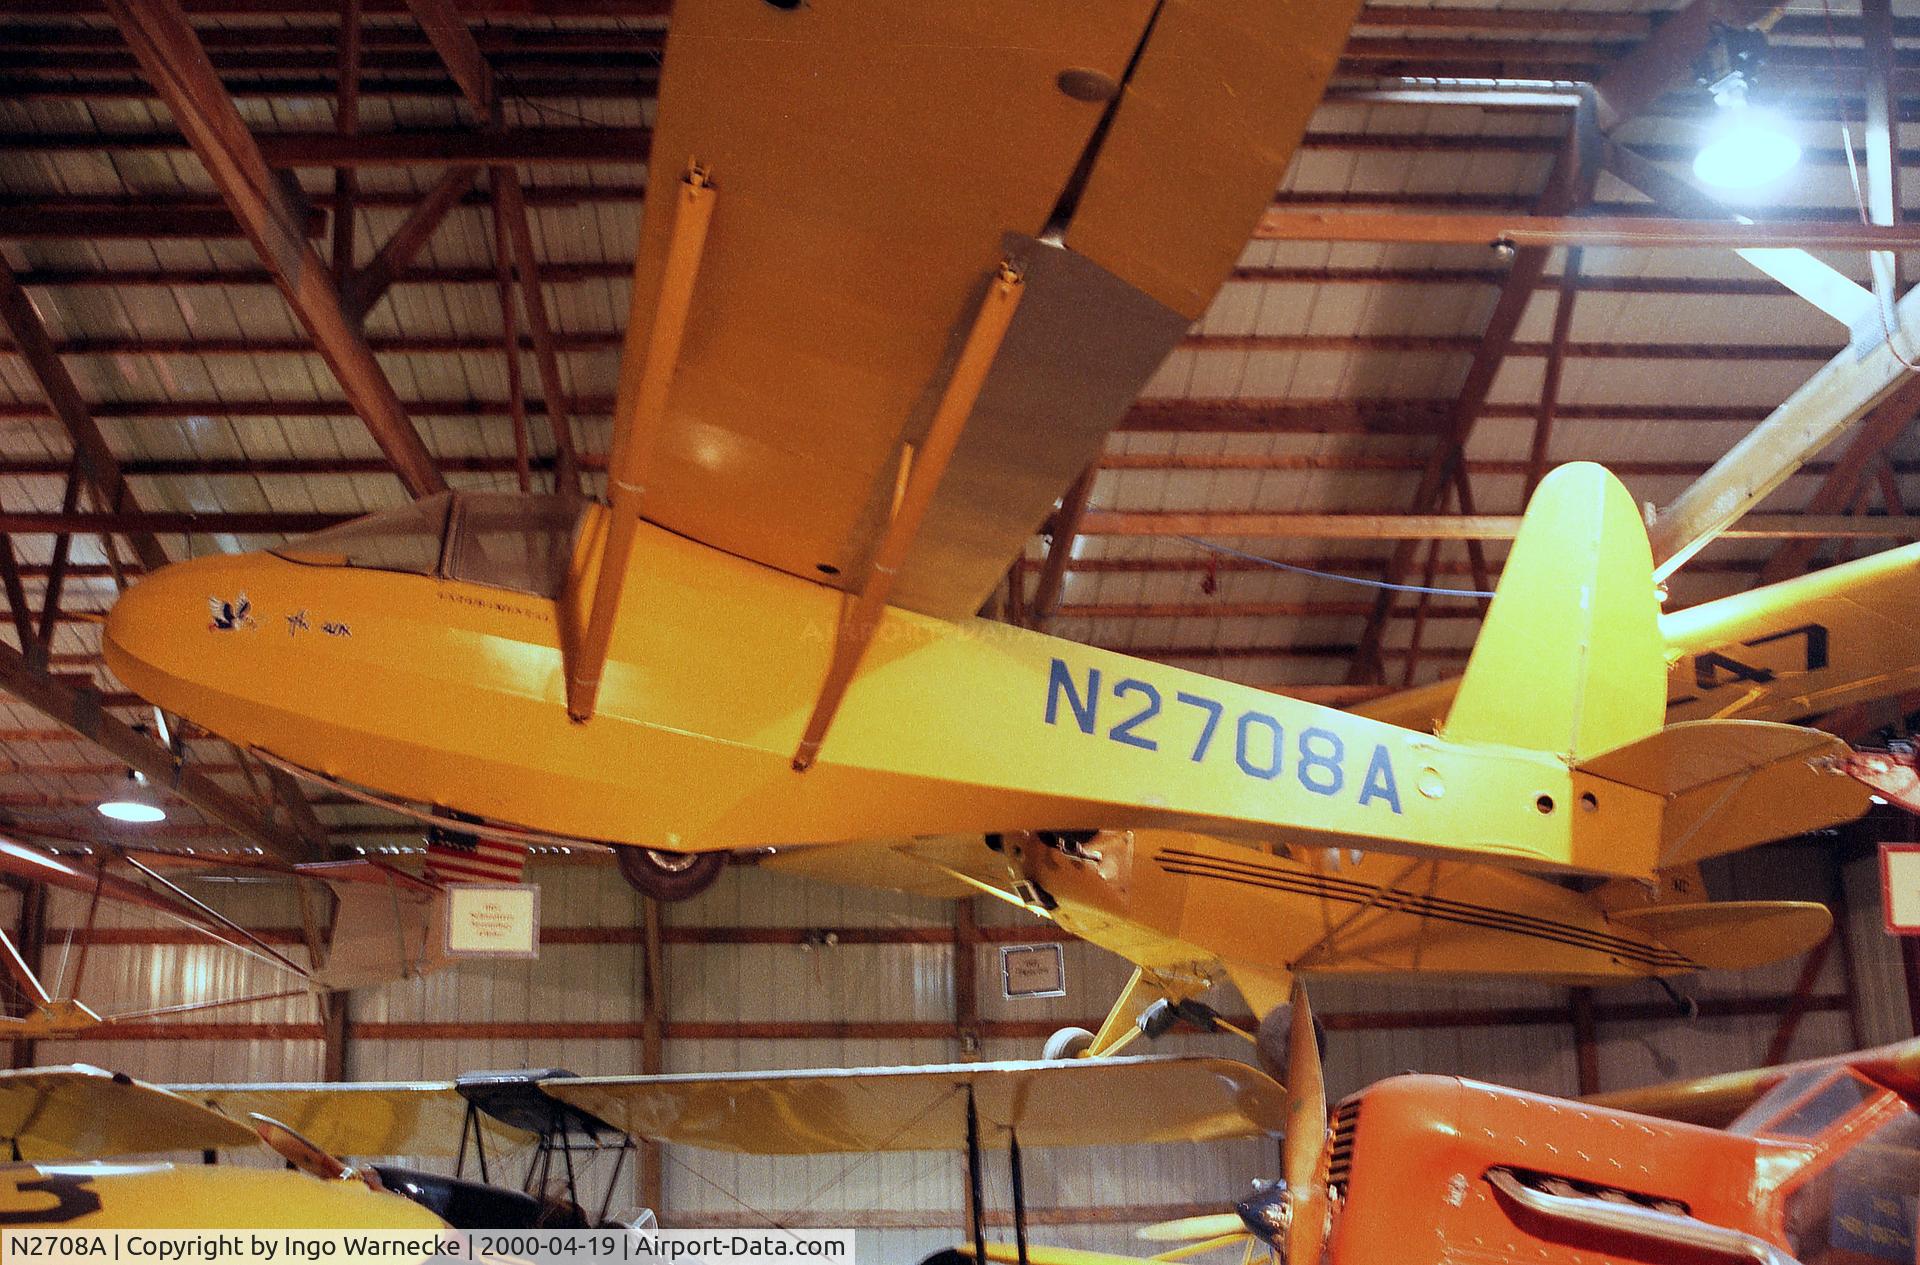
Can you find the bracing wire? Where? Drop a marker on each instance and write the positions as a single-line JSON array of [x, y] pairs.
[[1277, 565]]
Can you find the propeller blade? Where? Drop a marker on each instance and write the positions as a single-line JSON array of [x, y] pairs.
[[1306, 1098], [1205, 1226], [1304, 1150], [1181, 1253]]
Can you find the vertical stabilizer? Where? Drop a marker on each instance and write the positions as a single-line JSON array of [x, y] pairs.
[[1570, 659]]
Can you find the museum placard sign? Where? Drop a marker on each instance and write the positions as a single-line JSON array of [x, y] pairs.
[[1033, 970], [493, 920], [1900, 887]]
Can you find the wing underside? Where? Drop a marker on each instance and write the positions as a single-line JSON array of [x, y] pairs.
[[872, 167]]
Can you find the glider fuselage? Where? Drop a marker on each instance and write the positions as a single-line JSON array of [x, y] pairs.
[[450, 692]]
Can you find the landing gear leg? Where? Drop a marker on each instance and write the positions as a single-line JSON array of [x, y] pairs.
[[1149, 1005], [669, 876]]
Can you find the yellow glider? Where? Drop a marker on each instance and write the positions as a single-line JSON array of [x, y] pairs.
[[907, 268], [451, 693]]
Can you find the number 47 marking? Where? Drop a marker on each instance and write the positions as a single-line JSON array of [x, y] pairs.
[[1708, 667]]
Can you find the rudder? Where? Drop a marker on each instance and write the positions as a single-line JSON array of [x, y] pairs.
[[1570, 658]]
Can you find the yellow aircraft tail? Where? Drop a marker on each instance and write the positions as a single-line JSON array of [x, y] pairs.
[[1570, 658], [1571, 661], [1730, 784]]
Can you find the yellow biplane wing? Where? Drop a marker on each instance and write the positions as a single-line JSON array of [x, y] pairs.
[[1716, 1101], [1804, 647], [359, 1119], [1063, 1103], [82, 1112], [842, 264]]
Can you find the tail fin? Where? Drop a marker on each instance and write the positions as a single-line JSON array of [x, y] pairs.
[[1570, 659]]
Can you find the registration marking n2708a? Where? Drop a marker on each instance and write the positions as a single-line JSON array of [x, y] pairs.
[[1319, 759]]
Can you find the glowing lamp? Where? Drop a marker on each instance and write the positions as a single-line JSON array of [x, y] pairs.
[[138, 804], [1746, 147]]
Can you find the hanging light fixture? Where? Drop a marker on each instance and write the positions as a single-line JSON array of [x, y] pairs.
[[136, 803], [1746, 146]]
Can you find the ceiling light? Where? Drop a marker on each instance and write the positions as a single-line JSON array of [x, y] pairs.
[[136, 803], [1745, 147]]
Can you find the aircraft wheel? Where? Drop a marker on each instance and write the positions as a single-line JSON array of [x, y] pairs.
[[1270, 1041], [1068, 1043], [669, 876]]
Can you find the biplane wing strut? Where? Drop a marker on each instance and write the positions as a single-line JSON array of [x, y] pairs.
[[639, 415]]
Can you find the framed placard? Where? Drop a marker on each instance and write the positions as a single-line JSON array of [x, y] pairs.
[[1033, 970], [493, 920], [1900, 887]]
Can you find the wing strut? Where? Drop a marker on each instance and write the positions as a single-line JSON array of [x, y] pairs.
[[920, 479], [642, 407], [975, 1186], [1019, 1196]]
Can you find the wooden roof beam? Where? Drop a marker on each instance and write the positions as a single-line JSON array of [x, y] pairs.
[[173, 60], [1191, 416], [1064, 531], [511, 206], [595, 340], [369, 285], [97, 463], [446, 29], [1466, 527], [426, 148], [1545, 231]]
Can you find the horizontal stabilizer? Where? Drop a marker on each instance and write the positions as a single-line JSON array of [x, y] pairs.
[[1731, 784], [1733, 935]]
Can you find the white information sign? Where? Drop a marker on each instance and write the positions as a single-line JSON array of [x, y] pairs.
[[493, 920], [1900, 887], [1033, 970]]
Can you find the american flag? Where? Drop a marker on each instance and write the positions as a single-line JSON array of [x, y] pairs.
[[454, 856]]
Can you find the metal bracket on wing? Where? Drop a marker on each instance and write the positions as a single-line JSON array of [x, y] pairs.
[[639, 414], [920, 475]]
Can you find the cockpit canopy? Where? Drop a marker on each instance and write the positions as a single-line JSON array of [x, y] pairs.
[[505, 540]]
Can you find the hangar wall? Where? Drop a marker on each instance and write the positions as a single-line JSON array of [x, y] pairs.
[[767, 971]]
